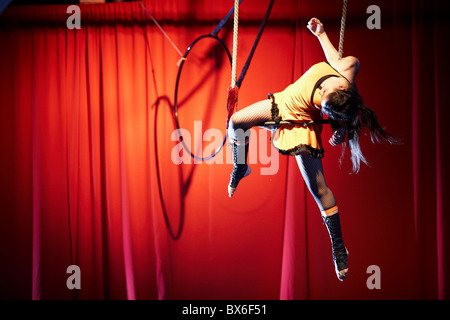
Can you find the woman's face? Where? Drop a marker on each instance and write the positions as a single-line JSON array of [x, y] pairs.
[[331, 85]]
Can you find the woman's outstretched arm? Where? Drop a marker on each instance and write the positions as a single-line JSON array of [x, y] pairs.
[[348, 66]]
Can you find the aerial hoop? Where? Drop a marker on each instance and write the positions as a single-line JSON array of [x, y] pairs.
[[175, 107], [237, 83]]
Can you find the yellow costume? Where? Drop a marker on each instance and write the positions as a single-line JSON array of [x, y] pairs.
[[301, 102]]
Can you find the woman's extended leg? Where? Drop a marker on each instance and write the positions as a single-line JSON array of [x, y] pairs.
[[312, 172], [239, 135]]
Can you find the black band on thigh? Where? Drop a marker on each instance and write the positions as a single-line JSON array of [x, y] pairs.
[[275, 111]]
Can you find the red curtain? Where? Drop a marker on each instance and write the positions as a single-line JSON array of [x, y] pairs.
[[89, 172]]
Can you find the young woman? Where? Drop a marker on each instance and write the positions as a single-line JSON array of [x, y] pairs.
[[327, 87]]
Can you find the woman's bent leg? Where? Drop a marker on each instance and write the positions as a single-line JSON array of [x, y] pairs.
[[238, 132]]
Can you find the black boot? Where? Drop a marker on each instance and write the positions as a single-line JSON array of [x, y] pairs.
[[339, 251], [240, 167]]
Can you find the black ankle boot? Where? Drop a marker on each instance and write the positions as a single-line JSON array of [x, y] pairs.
[[339, 251], [240, 167]]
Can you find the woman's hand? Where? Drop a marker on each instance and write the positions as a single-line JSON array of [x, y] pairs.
[[339, 130], [338, 136], [316, 27]]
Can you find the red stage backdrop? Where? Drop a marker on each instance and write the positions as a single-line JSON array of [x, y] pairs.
[[88, 156]]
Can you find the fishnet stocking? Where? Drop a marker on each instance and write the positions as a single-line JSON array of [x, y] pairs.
[[248, 117]]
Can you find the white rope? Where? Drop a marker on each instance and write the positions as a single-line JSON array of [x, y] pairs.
[[235, 43], [163, 32], [341, 40]]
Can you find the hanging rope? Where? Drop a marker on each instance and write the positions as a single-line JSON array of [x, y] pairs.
[[340, 53], [235, 43], [182, 58], [233, 90], [341, 39], [255, 44]]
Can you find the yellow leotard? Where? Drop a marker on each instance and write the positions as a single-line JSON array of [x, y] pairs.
[[301, 101]]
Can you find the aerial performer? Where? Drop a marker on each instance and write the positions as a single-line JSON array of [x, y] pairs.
[[327, 88]]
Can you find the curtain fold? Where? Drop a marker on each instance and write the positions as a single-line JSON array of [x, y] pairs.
[[89, 173], [429, 147], [441, 70]]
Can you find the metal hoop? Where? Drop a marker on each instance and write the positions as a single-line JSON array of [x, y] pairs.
[[175, 107]]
